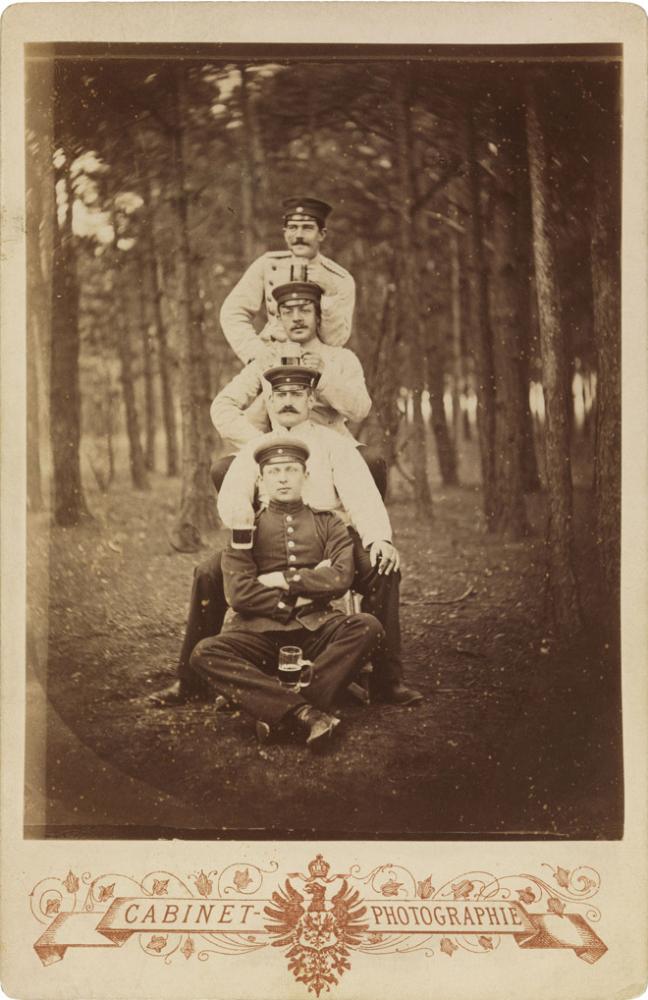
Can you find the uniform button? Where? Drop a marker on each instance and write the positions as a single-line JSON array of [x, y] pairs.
[[274, 267], [296, 576], [281, 605], [289, 518], [290, 530], [291, 544], [292, 558]]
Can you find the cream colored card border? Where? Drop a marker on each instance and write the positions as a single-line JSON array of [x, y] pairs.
[[509, 971]]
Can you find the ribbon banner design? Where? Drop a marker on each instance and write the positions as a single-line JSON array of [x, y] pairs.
[[316, 918]]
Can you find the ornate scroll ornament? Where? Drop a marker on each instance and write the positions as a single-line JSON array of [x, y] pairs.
[[318, 919]]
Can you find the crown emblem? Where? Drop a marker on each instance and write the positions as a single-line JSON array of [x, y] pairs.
[[318, 868]]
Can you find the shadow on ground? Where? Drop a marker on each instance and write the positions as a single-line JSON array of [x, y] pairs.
[[518, 735]]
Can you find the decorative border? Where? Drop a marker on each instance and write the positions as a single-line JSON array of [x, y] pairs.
[[318, 920]]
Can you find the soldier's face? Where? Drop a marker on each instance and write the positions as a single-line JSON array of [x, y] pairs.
[[304, 237], [284, 481], [291, 406], [299, 320]]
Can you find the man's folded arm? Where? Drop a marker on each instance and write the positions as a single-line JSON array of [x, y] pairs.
[[342, 385], [227, 410], [246, 595], [239, 309], [337, 311]]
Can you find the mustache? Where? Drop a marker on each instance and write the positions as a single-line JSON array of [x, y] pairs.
[[288, 409], [299, 243]]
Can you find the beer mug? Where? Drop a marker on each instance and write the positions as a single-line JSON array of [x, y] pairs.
[[290, 354], [295, 673], [298, 271], [242, 538]]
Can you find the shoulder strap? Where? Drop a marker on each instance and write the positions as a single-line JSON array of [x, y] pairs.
[[334, 267]]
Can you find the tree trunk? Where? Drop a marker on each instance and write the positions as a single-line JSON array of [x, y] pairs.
[[150, 261], [165, 371], [528, 459], [65, 398], [508, 514], [482, 336], [408, 284], [147, 370], [123, 320], [560, 537], [457, 358], [253, 176], [34, 479], [109, 429], [254, 161], [35, 320], [197, 506], [382, 376], [606, 283], [528, 336], [446, 453]]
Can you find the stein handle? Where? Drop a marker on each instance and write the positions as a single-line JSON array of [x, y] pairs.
[[307, 666]]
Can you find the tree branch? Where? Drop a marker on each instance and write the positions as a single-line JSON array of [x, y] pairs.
[[451, 171], [458, 228]]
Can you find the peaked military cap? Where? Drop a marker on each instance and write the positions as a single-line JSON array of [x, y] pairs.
[[292, 377], [296, 291], [281, 449], [307, 208]]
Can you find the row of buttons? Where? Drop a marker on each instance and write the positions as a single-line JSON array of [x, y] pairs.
[[291, 544]]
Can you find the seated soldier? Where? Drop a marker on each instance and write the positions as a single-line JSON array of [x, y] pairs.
[[240, 411], [280, 591], [338, 481]]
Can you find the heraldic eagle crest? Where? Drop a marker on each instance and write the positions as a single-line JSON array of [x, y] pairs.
[[317, 932]]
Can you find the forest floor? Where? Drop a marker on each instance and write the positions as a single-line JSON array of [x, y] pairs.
[[517, 735]]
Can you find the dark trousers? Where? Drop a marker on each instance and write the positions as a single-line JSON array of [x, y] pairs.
[[373, 458], [242, 666], [380, 597]]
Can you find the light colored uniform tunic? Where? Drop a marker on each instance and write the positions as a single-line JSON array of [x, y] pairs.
[[239, 412], [338, 480], [255, 290]]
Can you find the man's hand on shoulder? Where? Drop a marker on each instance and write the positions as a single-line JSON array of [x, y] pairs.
[[386, 556], [276, 579], [312, 359], [318, 273]]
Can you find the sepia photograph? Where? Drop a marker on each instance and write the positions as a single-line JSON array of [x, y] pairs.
[[323, 441]]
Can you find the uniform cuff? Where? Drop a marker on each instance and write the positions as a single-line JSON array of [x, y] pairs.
[[285, 607], [295, 584]]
